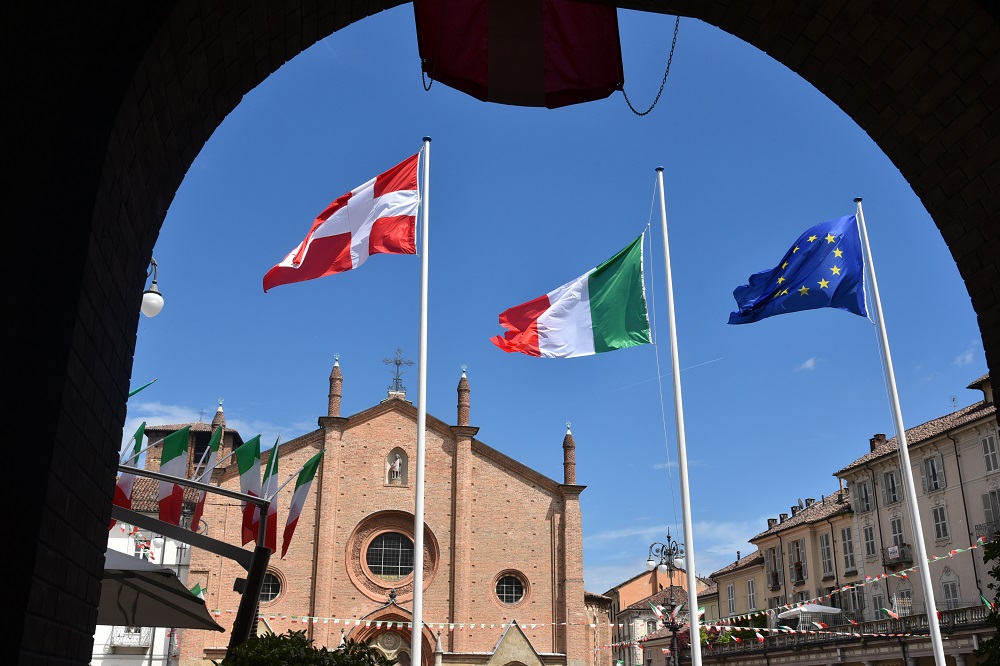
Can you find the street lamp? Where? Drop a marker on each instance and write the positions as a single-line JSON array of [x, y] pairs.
[[152, 299], [665, 558]]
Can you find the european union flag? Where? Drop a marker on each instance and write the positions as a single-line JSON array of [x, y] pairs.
[[824, 268]]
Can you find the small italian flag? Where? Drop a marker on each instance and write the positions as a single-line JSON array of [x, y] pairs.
[[602, 310], [123, 488], [302, 485], [270, 488], [889, 613], [248, 462], [206, 476], [198, 591], [173, 463]]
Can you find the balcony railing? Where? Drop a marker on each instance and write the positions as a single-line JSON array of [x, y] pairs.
[[969, 615], [131, 637], [894, 556], [988, 530]]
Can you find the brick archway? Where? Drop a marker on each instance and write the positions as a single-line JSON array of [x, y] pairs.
[[113, 101]]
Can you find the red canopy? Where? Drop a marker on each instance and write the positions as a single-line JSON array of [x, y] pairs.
[[547, 53]]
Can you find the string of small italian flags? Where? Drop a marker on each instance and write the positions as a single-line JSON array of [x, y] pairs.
[[144, 546]]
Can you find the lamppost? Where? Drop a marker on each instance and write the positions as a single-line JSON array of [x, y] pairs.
[[665, 557]]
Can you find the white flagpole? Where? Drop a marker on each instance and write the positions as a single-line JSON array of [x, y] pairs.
[[904, 455], [416, 632], [694, 623]]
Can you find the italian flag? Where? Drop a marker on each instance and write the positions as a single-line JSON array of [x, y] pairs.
[[602, 310], [248, 462], [123, 489], [173, 463], [302, 485], [206, 476], [270, 489]]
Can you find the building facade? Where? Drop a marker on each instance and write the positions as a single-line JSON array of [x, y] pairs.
[[503, 547]]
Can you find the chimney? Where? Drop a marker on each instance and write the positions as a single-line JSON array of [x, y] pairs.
[[336, 387], [782, 517], [877, 441], [795, 510], [569, 458], [810, 501], [463, 400], [771, 522]]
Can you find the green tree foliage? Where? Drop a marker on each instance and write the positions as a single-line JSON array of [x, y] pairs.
[[989, 649], [294, 649]]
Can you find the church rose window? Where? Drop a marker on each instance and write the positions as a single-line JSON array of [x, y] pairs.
[[510, 589], [271, 588], [390, 556]]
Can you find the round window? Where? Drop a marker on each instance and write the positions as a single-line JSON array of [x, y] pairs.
[[510, 589], [390, 556], [271, 588]]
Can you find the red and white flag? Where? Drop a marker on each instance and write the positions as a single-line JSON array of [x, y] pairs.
[[123, 488], [173, 463], [379, 217]]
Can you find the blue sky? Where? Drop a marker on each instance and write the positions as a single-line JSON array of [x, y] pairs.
[[521, 201]]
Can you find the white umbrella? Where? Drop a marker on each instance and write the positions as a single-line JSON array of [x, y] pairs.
[[815, 609], [135, 593]]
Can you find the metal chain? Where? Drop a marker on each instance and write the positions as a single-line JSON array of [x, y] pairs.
[[670, 59]]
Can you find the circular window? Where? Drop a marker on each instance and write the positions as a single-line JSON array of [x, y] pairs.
[[510, 589], [390, 556], [271, 588]]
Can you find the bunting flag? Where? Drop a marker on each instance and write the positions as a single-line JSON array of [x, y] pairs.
[[270, 490], [989, 604], [123, 488], [302, 485], [248, 462], [602, 310], [889, 613], [173, 462], [378, 217], [206, 476], [656, 610]]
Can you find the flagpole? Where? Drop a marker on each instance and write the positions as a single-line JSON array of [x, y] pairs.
[[416, 632], [904, 455], [689, 564]]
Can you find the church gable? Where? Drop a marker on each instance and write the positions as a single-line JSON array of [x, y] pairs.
[[514, 648]]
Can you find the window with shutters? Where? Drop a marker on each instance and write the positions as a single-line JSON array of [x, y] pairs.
[[848, 544], [940, 517], [797, 561], [751, 595], [868, 534], [863, 496], [896, 528], [990, 454], [826, 555], [772, 565], [903, 602], [878, 601], [731, 598], [933, 474], [951, 599], [991, 510], [890, 487]]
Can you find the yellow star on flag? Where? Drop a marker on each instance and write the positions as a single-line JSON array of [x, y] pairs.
[[836, 270], [830, 238], [837, 252], [796, 249], [804, 290], [812, 238], [781, 279], [784, 265], [823, 284]]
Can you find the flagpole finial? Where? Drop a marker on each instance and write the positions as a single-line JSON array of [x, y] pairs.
[[857, 199], [427, 138], [659, 168]]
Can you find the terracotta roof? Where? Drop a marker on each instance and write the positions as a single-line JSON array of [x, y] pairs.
[[979, 381], [755, 558], [826, 507], [195, 427], [146, 493], [925, 431], [660, 599]]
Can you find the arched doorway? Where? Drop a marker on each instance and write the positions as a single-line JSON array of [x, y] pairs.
[[114, 103]]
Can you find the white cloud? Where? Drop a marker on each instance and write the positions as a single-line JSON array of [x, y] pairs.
[[809, 364], [965, 358]]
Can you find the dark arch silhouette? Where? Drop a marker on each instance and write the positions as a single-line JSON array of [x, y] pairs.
[[112, 101]]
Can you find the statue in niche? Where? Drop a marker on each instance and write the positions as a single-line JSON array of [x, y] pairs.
[[395, 468]]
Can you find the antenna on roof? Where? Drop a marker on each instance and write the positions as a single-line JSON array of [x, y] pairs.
[[954, 404]]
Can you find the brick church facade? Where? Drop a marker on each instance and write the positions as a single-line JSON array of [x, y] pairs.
[[503, 544]]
